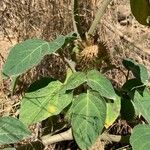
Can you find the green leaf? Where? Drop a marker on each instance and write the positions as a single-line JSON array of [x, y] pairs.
[[141, 102], [41, 104], [128, 63], [132, 84], [141, 11], [138, 70], [75, 80], [12, 130], [127, 109], [43, 82], [87, 118], [113, 111], [141, 73], [101, 84], [140, 136], [29, 53]]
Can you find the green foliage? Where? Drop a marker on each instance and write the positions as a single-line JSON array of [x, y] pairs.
[[12, 130], [131, 85], [43, 103], [141, 11], [127, 109], [95, 80], [113, 111], [91, 108], [29, 53], [88, 98], [138, 70], [88, 114], [141, 101], [136, 99], [101, 84], [140, 137], [75, 80]]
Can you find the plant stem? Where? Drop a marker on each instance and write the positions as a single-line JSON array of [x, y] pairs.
[[67, 135], [64, 136], [76, 18], [98, 16]]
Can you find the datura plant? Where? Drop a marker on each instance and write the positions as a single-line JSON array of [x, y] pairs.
[[87, 100]]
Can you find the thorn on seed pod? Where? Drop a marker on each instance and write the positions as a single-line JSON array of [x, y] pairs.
[[92, 55]]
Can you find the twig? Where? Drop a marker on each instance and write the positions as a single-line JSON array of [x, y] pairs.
[[67, 135], [98, 16]]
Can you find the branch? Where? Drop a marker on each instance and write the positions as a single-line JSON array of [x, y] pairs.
[[67, 135], [98, 16]]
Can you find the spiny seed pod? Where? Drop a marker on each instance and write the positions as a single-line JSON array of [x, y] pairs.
[[92, 55]]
